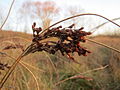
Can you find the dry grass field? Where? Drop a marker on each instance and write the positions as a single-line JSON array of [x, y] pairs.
[[43, 71], [56, 58]]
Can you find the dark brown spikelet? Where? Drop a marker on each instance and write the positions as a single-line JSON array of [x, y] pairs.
[[37, 30], [14, 47], [71, 26], [74, 37]]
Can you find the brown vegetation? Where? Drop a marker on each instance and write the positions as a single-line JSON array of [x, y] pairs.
[[101, 56], [47, 69]]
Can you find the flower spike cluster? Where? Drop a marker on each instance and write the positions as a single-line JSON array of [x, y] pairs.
[[69, 40]]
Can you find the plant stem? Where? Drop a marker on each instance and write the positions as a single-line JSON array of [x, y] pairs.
[[4, 79], [103, 45], [7, 14], [84, 14]]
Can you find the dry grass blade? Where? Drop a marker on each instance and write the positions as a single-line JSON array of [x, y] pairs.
[[32, 66], [114, 49], [97, 27], [82, 77], [7, 15], [10, 71], [22, 62], [24, 77], [6, 76], [16, 46], [33, 76], [96, 69], [24, 65], [74, 77], [50, 62]]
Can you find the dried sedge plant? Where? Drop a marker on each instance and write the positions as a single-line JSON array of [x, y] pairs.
[[3, 67], [15, 46], [69, 41]]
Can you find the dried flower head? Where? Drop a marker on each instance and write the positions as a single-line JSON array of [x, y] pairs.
[[69, 41]]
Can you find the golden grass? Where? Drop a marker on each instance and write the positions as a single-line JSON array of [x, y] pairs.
[[96, 59]]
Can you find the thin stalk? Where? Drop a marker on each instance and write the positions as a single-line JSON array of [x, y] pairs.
[[6, 76], [97, 27], [114, 49], [25, 66], [72, 77], [7, 14], [33, 76], [22, 62], [84, 14], [10, 71], [52, 64], [24, 77]]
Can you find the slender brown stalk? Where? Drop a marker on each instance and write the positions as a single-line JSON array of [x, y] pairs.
[[52, 64], [96, 69], [25, 66], [84, 14], [114, 49], [22, 62], [72, 77], [7, 14], [33, 77], [97, 27], [6, 76], [9, 71]]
